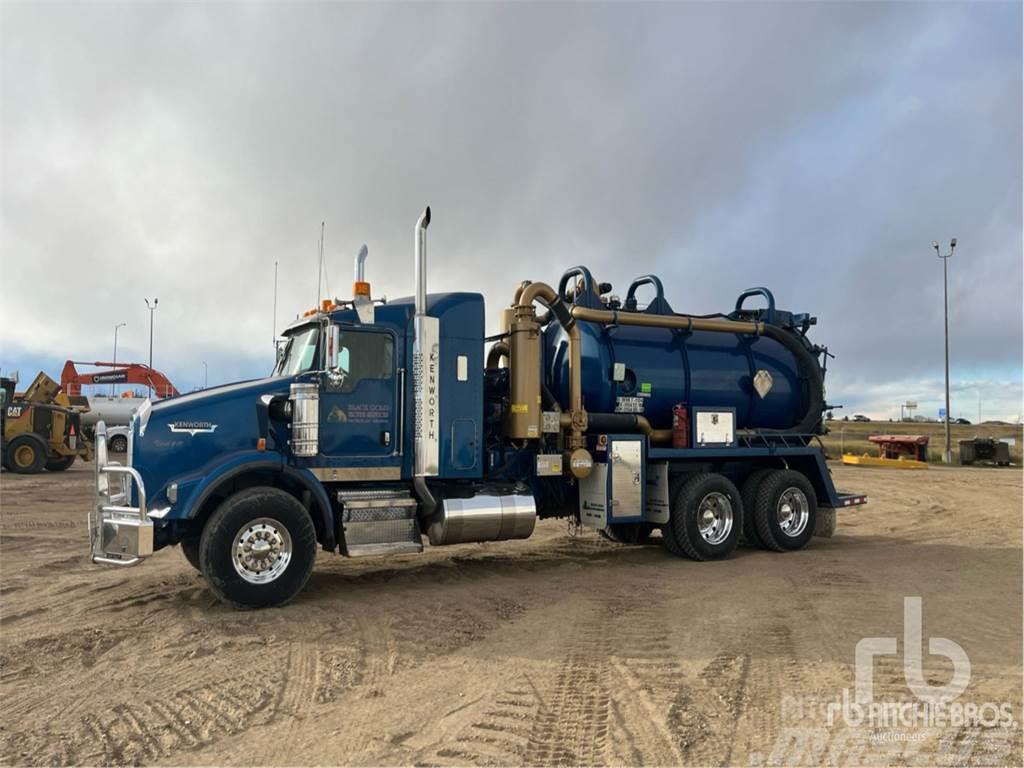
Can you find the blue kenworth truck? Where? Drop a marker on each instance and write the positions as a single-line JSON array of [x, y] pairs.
[[387, 421]]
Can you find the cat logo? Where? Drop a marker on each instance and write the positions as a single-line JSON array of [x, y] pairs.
[[337, 415]]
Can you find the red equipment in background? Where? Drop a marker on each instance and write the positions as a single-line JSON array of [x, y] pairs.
[[896, 446], [71, 381]]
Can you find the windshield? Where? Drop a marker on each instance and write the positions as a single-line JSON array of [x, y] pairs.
[[299, 352]]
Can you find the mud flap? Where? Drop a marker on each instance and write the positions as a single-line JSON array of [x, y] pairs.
[[826, 522]]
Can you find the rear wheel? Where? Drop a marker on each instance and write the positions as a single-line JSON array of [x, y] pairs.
[[748, 493], [786, 510], [60, 464], [707, 515], [257, 549], [628, 533], [118, 444], [26, 454]]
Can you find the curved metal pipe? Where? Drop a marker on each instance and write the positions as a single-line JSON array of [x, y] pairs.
[[681, 322], [624, 422], [421, 262], [495, 353], [360, 265]]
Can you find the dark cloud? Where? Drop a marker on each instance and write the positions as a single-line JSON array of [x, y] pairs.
[[179, 149]]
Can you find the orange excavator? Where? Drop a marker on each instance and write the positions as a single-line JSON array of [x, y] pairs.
[[71, 381]]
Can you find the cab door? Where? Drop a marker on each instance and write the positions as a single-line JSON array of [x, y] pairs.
[[358, 397]]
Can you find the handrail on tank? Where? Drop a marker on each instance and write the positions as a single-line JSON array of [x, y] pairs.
[[588, 283], [750, 292], [659, 291]]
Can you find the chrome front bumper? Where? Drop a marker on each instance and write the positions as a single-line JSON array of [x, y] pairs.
[[119, 534]]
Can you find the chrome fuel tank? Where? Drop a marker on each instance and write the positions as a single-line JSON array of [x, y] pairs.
[[484, 518]]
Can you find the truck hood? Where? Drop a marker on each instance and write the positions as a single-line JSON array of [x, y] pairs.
[[186, 432]]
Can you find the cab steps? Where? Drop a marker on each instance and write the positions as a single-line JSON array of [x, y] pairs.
[[379, 522]]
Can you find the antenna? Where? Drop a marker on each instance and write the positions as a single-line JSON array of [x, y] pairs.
[[274, 337], [320, 265], [327, 274]]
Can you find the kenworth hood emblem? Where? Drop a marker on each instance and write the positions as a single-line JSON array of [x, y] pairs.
[[192, 427]]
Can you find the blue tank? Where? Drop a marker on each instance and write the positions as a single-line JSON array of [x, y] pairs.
[[664, 367]]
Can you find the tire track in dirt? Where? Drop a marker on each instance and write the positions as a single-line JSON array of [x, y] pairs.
[[572, 722], [357, 670], [296, 695], [500, 736], [647, 676], [156, 727], [571, 727]]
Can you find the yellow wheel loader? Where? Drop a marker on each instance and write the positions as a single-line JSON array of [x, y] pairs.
[[40, 430]]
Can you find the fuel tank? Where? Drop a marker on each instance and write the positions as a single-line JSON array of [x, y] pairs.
[[659, 367]]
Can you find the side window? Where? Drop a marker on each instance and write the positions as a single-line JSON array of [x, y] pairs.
[[365, 355]]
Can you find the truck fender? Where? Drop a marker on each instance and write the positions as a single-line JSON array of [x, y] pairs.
[[319, 507]]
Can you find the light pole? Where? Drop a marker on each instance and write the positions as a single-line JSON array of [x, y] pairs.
[[204, 374], [152, 309], [116, 328], [947, 453]]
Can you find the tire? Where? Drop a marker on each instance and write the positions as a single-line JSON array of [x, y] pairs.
[[707, 516], [668, 536], [264, 517], [60, 464], [786, 510], [190, 549], [26, 454], [629, 533], [748, 493], [118, 444]]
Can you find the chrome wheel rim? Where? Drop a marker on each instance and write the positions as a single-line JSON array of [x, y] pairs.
[[262, 550], [714, 518], [793, 512]]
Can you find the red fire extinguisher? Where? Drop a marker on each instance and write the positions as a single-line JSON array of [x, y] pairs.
[[680, 426]]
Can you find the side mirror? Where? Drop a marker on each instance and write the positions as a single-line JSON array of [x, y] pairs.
[[332, 348]]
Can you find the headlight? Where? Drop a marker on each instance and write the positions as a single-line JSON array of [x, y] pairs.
[[172, 493]]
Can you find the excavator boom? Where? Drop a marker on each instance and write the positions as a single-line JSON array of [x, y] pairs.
[[71, 381]]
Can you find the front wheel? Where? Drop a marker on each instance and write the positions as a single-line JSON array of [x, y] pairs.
[[257, 549], [118, 444], [26, 454], [190, 549]]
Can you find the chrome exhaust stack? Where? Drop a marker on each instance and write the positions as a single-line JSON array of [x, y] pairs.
[[359, 275], [361, 298], [426, 376], [421, 262]]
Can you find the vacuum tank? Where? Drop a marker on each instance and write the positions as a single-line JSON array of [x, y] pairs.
[[648, 370]]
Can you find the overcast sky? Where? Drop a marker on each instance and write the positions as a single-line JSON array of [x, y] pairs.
[[178, 150]]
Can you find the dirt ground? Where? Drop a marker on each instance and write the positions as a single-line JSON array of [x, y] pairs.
[[557, 650]]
